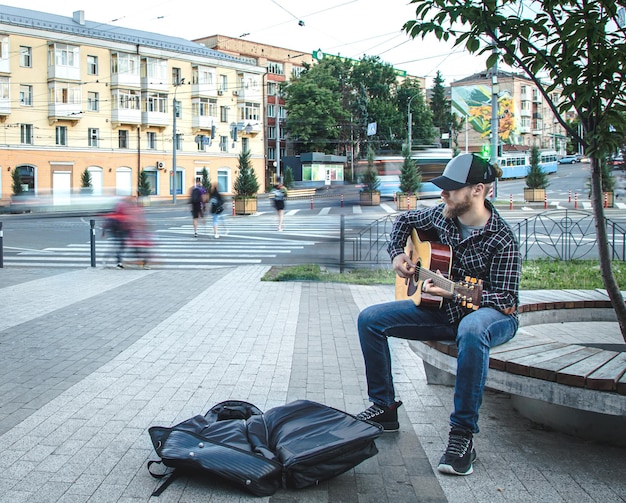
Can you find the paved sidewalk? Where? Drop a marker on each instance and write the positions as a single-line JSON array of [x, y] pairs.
[[91, 358]]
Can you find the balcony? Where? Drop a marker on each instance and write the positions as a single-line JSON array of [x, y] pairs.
[[204, 90], [203, 122], [524, 129], [61, 72], [157, 119], [249, 127], [5, 108], [125, 79], [126, 116], [64, 111]]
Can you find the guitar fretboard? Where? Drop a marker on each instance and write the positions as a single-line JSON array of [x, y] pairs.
[[438, 280]]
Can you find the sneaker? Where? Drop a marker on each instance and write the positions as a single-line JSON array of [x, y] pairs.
[[459, 455], [195, 234], [120, 266], [387, 417], [217, 236]]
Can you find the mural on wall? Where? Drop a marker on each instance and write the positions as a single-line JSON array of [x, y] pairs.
[[474, 102]]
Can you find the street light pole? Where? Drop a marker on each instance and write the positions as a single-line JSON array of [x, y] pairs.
[[409, 115], [174, 138]]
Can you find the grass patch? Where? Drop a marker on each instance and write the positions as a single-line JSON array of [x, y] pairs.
[[536, 274]]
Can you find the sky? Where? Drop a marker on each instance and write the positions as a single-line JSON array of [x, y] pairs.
[[350, 28]]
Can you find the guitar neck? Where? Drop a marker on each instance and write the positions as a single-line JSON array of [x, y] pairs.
[[438, 280]]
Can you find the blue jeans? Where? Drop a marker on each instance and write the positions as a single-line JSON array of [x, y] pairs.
[[475, 334]]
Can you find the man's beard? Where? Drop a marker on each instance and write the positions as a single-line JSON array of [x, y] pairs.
[[458, 209]]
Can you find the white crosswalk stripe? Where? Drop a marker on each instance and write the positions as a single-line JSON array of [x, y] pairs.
[[243, 240]]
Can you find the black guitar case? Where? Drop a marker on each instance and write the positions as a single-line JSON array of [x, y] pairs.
[[295, 445]]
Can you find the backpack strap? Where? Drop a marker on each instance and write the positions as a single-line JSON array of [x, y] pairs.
[[168, 477]]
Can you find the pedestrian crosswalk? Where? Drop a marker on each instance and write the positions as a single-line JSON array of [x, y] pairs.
[[246, 240]]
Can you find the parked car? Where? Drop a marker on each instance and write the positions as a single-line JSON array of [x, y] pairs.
[[568, 159]]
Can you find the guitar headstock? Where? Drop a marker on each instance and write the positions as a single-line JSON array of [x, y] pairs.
[[470, 292]]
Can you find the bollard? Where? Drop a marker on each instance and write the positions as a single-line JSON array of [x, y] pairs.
[[311, 202], [606, 200], [569, 196], [511, 202], [342, 200], [545, 201], [408, 203], [1, 247], [233, 210], [342, 241], [575, 200], [92, 225]]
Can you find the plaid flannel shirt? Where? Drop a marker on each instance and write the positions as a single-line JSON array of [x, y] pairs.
[[491, 254]]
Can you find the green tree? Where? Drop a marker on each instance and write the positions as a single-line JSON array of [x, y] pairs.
[[370, 179], [410, 176], [288, 177], [16, 182], [85, 182], [536, 177], [580, 46], [143, 184], [206, 180], [439, 105], [246, 184], [422, 132]]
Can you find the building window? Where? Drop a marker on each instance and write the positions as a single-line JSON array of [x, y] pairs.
[[92, 65], [250, 111], [122, 137], [296, 71], [271, 153], [61, 135], [93, 139], [271, 133], [223, 143], [4, 88], [524, 91], [156, 102], [65, 93], [154, 69], [204, 107], [223, 83], [275, 68], [224, 114], [26, 56], [127, 99], [26, 96], [200, 75], [245, 145], [124, 63], [271, 110], [222, 181], [93, 104], [66, 55], [151, 138], [271, 88], [176, 76], [26, 134]]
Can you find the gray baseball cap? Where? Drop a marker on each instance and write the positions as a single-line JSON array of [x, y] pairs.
[[464, 170]]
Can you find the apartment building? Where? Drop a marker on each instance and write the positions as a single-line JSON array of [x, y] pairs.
[[281, 64], [77, 95], [525, 118]]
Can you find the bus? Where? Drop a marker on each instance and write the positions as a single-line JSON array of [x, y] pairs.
[[430, 163], [517, 164]]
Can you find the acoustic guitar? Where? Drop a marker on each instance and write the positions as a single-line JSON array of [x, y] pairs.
[[430, 256]]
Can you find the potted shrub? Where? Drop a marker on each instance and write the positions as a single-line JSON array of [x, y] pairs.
[[410, 183], [370, 195], [143, 188], [206, 180], [536, 179], [86, 186], [246, 186]]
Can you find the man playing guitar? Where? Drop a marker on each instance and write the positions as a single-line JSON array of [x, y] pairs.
[[483, 252]]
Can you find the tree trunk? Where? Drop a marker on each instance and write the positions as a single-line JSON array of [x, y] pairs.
[[604, 251]]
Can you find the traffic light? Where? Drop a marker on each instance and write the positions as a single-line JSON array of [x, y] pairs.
[[485, 152]]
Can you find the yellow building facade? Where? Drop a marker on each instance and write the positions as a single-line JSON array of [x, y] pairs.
[[79, 96]]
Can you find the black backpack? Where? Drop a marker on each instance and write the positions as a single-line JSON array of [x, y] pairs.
[[295, 445], [196, 195]]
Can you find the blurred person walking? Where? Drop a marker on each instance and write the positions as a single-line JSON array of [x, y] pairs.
[[197, 200], [280, 194], [216, 207]]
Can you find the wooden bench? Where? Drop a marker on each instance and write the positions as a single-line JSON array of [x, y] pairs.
[[551, 361]]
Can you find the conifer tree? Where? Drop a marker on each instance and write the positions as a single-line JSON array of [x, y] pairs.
[[246, 184]]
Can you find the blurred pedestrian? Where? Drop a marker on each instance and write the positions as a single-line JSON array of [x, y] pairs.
[[197, 200], [216, 207], [117, 224], [280, 194]]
